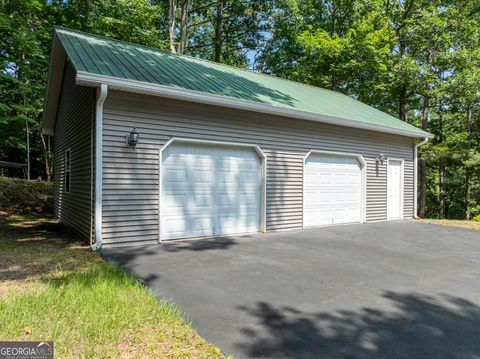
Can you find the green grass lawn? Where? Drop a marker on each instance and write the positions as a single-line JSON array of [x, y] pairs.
[[456, 223], [55, 288]]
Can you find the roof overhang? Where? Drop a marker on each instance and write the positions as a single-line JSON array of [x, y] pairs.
[[116, 83], [56, 68]]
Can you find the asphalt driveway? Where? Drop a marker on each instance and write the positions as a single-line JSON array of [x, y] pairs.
[[383, 290]]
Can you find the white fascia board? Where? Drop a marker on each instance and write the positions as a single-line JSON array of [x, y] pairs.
[[54, 86], [115, 83]]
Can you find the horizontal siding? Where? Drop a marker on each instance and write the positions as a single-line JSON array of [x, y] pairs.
[[72, 130], [130, 177], [408, 183]]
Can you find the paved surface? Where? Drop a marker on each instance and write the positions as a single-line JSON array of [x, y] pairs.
[[381, 290]]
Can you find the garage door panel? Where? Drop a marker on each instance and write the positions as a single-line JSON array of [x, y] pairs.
[[332, 188], [227, 177], [203, 176], [232, 224], [213, 190]]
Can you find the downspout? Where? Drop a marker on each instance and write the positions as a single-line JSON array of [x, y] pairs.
[[102, 95], [415, 175]]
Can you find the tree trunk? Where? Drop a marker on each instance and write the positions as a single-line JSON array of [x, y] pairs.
[[441, 167], [402, 101], [184, 28], [402, 97], [28, 148], [468, 171], [172, 13], [468, 195], [217, 41], [423, 162], [46, 155], [441, 189]]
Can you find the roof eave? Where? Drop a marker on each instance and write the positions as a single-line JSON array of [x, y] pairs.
[[58, 58], [115, 83]]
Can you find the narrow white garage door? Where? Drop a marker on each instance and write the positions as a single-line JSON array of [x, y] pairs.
[[333, 190], [209, 190], [394, 189]]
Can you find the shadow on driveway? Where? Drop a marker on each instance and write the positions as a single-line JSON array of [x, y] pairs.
[[421, 327], [380, 290]]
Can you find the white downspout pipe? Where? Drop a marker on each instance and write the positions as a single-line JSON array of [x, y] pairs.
[[415, 175], [102, 95]]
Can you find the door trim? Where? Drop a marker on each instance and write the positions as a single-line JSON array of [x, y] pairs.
[[263, 171], [402, 187], [363, 165]]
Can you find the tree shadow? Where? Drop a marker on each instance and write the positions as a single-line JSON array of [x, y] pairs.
[[127, 257], [420, 326], [36, 248], [217, 243]]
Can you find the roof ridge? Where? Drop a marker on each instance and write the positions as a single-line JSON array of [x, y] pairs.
[[201, 60]]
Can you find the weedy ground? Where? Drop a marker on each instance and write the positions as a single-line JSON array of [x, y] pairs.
[[456, 223], [53, 287]]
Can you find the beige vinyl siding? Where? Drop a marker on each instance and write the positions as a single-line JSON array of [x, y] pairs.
[[408, 183], [130, 190], [72, 130]]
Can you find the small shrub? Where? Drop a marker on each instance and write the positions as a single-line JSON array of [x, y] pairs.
[[477, 218], [20, 196]]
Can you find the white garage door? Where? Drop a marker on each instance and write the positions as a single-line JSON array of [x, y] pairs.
[[333, 190], [209, 190]]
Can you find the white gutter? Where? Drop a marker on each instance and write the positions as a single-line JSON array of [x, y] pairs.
[[102, 95], [415, 175], [115, 83]]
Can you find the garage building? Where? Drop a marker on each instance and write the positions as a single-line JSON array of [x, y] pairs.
[[151, 147]]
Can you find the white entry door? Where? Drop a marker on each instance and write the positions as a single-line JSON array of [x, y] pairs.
[[332, 190], [209, 190], [394, 189]]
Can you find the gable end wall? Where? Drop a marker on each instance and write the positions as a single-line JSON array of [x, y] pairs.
[[73, 129]]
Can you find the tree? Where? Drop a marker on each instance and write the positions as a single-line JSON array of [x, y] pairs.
[[22, 77], [225, 30]]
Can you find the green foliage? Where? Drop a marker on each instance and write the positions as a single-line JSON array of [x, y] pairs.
[[417, 60], [477, 218], [225, 30], [24, 197]]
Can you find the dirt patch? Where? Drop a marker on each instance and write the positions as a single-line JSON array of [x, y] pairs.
[[473, 225], [36, 249]]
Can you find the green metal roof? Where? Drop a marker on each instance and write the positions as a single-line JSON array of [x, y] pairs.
[[104, 56]]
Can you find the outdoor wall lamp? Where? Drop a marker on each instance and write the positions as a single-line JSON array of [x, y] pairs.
[[380, 158], [132, 138]]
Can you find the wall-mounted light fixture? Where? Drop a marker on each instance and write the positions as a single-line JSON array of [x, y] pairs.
[[380, 158], [132, 138]]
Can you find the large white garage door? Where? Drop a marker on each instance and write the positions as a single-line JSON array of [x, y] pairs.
[[333, 190], [209, 190]]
